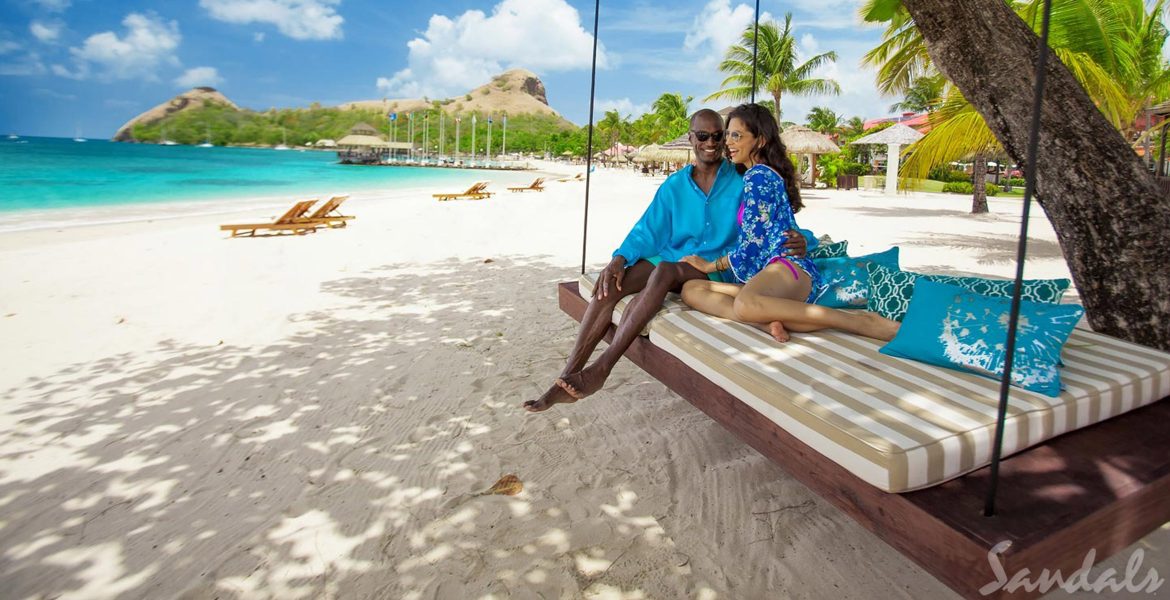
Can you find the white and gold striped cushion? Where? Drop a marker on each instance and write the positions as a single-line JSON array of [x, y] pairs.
[[898, 424], [586, 282]]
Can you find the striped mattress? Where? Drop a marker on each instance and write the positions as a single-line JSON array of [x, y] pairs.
[[898, 424]]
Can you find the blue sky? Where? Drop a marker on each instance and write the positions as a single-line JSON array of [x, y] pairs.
[[87, 66]]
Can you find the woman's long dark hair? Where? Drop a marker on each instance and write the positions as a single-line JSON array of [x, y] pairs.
[[760, 123]]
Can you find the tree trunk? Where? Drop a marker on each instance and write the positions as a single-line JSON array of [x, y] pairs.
[[1108, 212], [979, 181]]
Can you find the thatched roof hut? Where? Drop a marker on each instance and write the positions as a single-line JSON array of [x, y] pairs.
[[654, 153], [802, 140], [363, 129]]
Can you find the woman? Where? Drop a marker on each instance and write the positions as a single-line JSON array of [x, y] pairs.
[[777, 292]]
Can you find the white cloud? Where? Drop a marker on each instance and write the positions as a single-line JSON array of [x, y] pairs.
[[258, 37], [54, 5], [717, 27], [29, 64], [298, 19], [624, 106], [809, 45], [199, 77], [53, 94], [46, 31], [148, 42], [454, 55], [9, 47]]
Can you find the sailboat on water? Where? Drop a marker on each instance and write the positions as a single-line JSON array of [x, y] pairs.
[[283, 141], [207, 140], [77, 135], [164, 141]]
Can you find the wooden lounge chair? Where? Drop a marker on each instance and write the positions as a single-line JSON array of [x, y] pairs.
[[1098, 488], [577, 177], [536, 186], [328, 213], [477, 191], [293, 220]]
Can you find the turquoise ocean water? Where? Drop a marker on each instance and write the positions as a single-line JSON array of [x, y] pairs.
[[45, 174]]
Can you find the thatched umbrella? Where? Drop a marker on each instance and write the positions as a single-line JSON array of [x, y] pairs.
[[802, 140], [893, 137], [656, 154]]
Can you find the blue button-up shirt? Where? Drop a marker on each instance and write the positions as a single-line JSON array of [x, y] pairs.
[[682, 220]]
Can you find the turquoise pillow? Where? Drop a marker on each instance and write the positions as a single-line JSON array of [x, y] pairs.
[[830, 250], [847, 278], [951, 327], [890, 289]]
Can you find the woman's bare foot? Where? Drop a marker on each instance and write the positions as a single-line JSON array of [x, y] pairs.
[[582, 383], [778, 332], [554, 395], [881, 328]]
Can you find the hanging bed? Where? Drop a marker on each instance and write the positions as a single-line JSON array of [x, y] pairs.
[[902, 446]]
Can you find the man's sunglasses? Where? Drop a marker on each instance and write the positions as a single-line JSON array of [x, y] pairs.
[[703, 136]]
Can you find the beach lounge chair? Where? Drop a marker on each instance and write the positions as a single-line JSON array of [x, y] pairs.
[[328, 213], [577, 177], [477, 191], [293, 220], [901, 446], [536, 186]]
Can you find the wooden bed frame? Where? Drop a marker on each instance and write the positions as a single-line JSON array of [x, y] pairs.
[[1102, 488]]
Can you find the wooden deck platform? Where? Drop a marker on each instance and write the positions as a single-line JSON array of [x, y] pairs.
[[1100, 488]]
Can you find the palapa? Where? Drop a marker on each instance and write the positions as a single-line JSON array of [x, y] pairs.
[[802, 140], [898, 134], [895, 136]]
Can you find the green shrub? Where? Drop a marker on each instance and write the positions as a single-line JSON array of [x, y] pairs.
[[854, 168], [957, 176], [1014, 181], [965, 187]]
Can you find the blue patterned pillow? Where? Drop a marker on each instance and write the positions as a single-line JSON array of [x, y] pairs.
[[951, 327], [830, 250], [847, 278], [890, 289]]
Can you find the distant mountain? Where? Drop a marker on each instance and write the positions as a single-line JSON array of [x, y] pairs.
[[515, 92], [192, 99]]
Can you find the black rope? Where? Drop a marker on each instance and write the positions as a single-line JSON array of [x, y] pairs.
[[589, 144], [755, 53], [1021, 254]]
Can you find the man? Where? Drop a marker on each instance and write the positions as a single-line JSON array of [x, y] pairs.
[[693, 212]]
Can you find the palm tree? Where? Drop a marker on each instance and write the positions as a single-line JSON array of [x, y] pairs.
[[924, 95], [671, 112], [823, 120], [613, 127], [777, 69]]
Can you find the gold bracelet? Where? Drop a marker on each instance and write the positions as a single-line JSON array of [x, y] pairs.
[[721, 263]]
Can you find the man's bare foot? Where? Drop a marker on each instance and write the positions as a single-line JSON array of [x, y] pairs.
[[554, 395], [778, 332], [582, 383]]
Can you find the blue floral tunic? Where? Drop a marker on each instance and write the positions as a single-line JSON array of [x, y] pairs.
[[764, 216]]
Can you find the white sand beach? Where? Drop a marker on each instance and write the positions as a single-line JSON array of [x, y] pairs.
[[186, 415]]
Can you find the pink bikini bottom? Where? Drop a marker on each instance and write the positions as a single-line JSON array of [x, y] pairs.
[[787, 263]]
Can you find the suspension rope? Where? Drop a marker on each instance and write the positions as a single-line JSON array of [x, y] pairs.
[[589, 144], [1021, 254], [755, 52]]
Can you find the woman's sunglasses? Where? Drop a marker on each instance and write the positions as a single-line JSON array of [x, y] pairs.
[[703, 136]]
